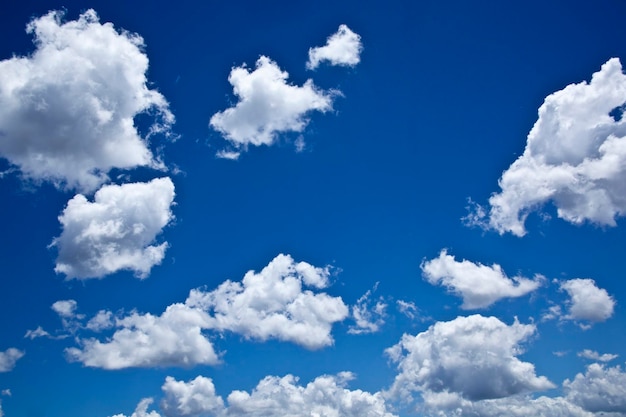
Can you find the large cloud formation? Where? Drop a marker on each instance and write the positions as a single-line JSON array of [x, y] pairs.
[[342, 48], [116, 231], [67, 111], [474, 357], [267, 106], [273, 396], [600, 389], [479, 285], [575, 157], [270, 304]]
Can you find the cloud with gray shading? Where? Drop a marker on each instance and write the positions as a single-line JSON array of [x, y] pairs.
[[67, 110], [115, 232]]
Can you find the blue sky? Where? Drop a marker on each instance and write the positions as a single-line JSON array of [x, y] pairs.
[[312, 209]]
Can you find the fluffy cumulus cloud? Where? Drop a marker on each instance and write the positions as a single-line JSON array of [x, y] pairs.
[[267, 106], [8, 358], [452, 405], [587, 301], [599, 389], [175, 338], [479, 285], [575, 157], [342, 48], [194, 398], [273, 304], [474, 357], [116, 231], [273, 396], [67, 111], [270, 304]]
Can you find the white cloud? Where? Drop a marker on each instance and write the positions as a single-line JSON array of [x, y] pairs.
[[67, 111], [575, 157], [273, 304], [595, 356], [324, 396], [8, 358], [342, 48], [101, 321], [600, 389], [270, 304], [65, 308], [475, 357], [453, 405], [368, 315], [587, 301], [194, 398], [115, 232], [267, 106], [407, 308], [174, 338], [479, 285], [142, 409]]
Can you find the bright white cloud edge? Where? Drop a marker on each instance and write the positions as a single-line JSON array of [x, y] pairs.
[[67, 110], [342, 48], [575, 157], [115, 232], [479, 285]]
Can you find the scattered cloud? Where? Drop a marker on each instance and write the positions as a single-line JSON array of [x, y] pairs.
[[474, 357], [342, 48], [274, 396], [595, 356], [8, 358], [65, 308], [68, 109], [273, 304], [369, 315], [407, 308], [267, 106], [142, 409], [575, 157], [174, 338], [587, 302], [116, 231], [194, 398], [101, 321], [270, 304], [600, 389], [479, 285]]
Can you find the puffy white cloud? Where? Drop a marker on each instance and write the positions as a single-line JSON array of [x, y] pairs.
[[273, 304], [142, 409], [174, 338], [264, 305], [65, 308], [8, 358], [67, 111], [101, 321], [453, 405], [116, 231], [587, 301], [479, 285], [575, 157], [600, 389], [595, 356], [475, 357], [194, 398], [342, 48], [324, 396], [267, 106], [368, 315]]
